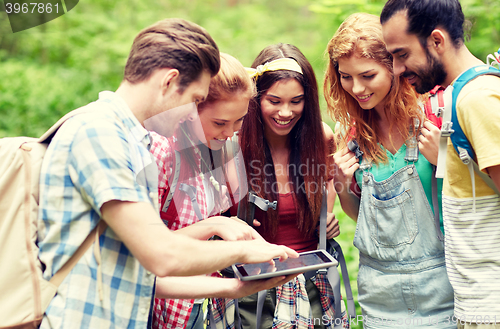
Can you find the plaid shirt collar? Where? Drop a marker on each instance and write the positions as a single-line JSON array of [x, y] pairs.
[[137, 131]]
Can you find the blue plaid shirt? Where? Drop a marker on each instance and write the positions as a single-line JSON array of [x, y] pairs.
[[94, 158]]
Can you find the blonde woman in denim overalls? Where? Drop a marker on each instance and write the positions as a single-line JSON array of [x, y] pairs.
[[387, 149]]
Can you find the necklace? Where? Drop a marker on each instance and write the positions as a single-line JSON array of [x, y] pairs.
[[212, 180]]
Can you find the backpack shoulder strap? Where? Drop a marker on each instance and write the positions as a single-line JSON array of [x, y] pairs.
[[47, 136], [63, 272], [322, 220], [247, 213], [59, 276], [445, 114], [434, 106], [435, 204], [458, 137], [173, 185], [332, 273], [451, 128], [333, 276]]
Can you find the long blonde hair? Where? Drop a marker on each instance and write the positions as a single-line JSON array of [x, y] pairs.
[[361, 35], [232, 80]]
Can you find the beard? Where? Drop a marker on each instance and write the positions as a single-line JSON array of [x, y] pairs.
[[430, 76]]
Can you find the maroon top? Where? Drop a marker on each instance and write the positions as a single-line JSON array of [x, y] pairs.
[[288, 232]]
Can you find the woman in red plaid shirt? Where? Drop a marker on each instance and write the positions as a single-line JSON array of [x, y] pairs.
[[200, 191]]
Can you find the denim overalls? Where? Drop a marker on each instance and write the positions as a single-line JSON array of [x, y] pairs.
[[402, 280]]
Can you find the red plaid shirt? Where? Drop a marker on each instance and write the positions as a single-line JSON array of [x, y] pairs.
[[174, 313], [163, 150]]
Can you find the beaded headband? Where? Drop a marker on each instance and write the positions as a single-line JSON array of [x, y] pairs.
[[288, 64]]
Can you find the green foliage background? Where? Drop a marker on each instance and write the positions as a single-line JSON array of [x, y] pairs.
[[49, 70]]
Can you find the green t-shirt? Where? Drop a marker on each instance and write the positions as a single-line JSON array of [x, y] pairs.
[[383, 171]]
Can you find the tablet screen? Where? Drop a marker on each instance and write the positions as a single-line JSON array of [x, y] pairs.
[[306, 261]]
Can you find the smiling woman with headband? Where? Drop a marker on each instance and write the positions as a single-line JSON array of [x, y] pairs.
[[285, 147]]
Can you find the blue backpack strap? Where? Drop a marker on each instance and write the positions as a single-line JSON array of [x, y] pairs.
[[458, 137], [459, 140]]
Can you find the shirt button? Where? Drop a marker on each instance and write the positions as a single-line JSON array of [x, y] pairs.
[[143, 311], [148, 273]]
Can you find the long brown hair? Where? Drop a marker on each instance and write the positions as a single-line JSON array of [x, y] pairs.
[[306, 140], [361, 34]]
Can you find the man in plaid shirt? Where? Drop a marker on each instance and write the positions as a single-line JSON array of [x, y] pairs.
[[98, 166]]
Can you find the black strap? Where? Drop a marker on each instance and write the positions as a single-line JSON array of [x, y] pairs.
[[237, 317], [339, 255], [322, 220], [211, 319], [261, 298], [254, 200]]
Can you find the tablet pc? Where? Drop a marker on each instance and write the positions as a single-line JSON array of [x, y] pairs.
[[307, 261]]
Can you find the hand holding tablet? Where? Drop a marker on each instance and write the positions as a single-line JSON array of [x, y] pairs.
[[307, 261]]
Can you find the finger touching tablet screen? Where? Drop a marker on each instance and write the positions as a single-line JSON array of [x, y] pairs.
[[307, 261]]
